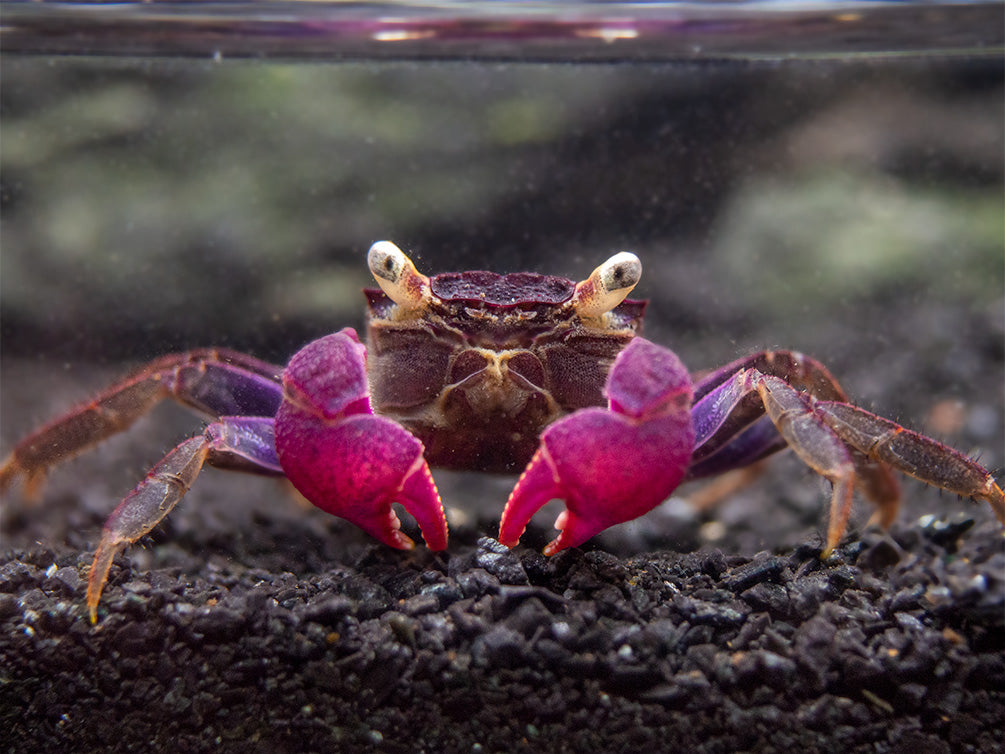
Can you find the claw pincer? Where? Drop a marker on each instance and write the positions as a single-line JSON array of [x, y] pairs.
[[342, 457], [611, 465]]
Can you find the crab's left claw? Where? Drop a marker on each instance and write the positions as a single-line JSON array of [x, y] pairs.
[[613, 465], [342, 457]]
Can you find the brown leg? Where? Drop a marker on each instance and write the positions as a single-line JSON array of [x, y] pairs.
[[878, 483], [797, 369], [875, 479], [109, 413], [816, 444], [214, 381], [143, 509], [846, 444], [241, 443], [916, 455], [712, 493]]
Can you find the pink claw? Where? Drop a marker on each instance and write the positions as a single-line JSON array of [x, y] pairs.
[[611, 466], [342, 457]]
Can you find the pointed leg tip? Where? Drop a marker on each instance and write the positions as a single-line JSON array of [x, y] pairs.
[[93, 597], [832, 544], [878, 518], [995, 498], [100, 568], [554, 547], [9, 471], [12, 469]]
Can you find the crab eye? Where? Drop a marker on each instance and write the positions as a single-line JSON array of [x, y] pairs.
[[607, 285], [397, 276], [387, 261]]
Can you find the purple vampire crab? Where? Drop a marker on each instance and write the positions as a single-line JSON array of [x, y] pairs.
[[476, 370]]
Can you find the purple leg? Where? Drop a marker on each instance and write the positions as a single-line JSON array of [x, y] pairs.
[[238, 442], [612, 465], [226, 383], [720, 417], [846, 444], [342, 457], [244, 443], [732, 430], [214, 381], [725, 410], [797, 369], [759, 440], [752, 415]]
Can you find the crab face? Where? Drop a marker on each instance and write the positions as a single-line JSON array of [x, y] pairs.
[[476, 364]]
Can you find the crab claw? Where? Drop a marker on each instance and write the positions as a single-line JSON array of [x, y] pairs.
[[613, 465], [342, 457]]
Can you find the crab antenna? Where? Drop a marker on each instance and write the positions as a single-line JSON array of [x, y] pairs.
[[397, 276], [607, 285]]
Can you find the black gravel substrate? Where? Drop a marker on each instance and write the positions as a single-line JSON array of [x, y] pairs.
[[894, 646]]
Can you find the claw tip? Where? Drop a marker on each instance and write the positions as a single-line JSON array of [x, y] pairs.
[[553, 547]]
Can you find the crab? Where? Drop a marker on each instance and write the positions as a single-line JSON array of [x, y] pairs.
[[500, 373]]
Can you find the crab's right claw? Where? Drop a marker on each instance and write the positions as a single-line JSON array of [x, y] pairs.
[[346, 460], [611, 466], [357, 469]]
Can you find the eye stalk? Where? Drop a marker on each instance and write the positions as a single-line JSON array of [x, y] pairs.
[[397, 276], [607, 286]]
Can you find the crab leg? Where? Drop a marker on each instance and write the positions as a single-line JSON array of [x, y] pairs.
[[797, 369], [914, 454], [215, 381], [753, 442], [846, 444], [754, 414], [818, 447], [232, 442], [732, 430], [612, 465], [721, 405], [342, 457]]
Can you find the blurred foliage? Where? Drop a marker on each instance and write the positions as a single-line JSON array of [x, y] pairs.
[[870, 236]]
